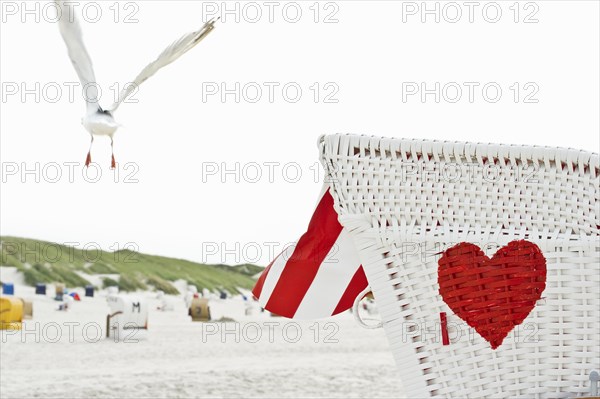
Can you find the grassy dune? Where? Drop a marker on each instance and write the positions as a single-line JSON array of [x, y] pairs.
[[47, 262]]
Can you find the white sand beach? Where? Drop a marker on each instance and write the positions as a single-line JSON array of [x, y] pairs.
[[177, 358]]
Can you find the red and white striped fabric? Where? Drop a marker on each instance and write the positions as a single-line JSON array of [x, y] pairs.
[[319, 277]]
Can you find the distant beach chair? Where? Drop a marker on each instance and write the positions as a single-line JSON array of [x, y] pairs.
[[127, 314], [191, 293], [8, 288], [40, 289], [11, 313], [27, 309], [166, 304], [59, 289], [199, 309], [424, 229], [89, 291]]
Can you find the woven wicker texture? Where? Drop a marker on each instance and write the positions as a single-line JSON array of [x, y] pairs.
[[408, 204]]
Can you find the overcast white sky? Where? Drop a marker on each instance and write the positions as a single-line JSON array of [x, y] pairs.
[[181, 132]]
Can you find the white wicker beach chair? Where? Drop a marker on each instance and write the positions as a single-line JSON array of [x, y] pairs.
[[408, 203]]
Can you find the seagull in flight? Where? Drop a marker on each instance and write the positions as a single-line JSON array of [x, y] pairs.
[[98, 121]]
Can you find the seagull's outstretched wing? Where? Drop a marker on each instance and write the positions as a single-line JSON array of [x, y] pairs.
[[71, 34], [170, 54]]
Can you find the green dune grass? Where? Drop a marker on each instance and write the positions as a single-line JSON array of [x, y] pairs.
[[47, 262]]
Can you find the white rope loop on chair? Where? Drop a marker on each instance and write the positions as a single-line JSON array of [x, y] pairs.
[[357, 317]]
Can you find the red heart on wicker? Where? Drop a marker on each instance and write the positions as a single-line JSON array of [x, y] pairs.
[[492, 295]]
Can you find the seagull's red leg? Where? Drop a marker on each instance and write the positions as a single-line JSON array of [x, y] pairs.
[[88, 159], [113, 164]]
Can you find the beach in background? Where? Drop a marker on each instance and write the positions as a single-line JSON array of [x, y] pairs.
[[66, 354]]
